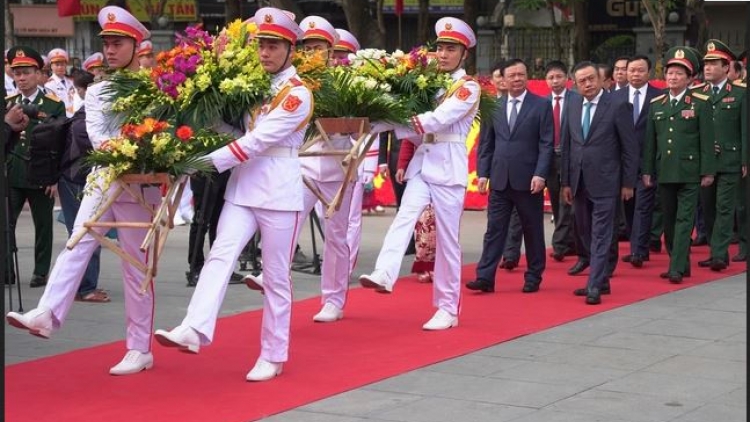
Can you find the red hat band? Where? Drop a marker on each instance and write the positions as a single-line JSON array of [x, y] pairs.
[[119, 28], [455, 36], [276, 31]]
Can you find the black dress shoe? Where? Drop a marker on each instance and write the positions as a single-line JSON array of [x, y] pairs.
[[699, 241], [740, 257], [605, 290], [718, 265], [481, 285], [627, 258], [38, 281], [578, 267], [531, 286], [706, 263], [593, 297], [637, 261], [557, 256], [192, 278], [675, 278], [509, 264]]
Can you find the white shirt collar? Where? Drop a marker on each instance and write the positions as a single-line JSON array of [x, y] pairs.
[[458, 74], [279, 79], [33, 96], [677, 97], [520, 98], [596, 99], [561, 95], [720, 84]]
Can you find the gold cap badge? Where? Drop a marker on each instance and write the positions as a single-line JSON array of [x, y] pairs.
[[448, 26], [679, 54], [268, 19], [711, 46]]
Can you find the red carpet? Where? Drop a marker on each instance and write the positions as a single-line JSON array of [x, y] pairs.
[[380, 337]]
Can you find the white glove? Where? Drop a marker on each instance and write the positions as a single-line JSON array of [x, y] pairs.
[[367, 177], [378, 127]]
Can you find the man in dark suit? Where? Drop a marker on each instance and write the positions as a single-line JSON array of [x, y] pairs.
[[639, 93], [515, 154], [563, 238], [599, 167]]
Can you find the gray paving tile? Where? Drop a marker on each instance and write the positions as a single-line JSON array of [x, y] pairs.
[[700, 367], [524, 348], [712, 412], [737, 398], [361, 403], [606, 357], [547, 415], [475, 364], [577, 376], [588, 329], [672, 388], [627, 406], [689, 329], [303, 416], [433, 409], [646, 342], [711, 316]]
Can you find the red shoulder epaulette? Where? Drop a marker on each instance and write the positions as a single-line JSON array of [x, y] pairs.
[[295, 82]]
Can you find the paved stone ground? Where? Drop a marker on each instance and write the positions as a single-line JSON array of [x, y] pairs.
[[679, 357]]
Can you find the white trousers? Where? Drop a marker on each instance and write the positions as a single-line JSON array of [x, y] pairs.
[[237, 225], [448, 202], [336, 269], [354, 234], [70, 266]]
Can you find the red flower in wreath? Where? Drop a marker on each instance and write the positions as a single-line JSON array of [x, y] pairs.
[[184, 133]]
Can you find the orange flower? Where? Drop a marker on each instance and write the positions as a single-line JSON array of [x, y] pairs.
[[148, 125], [184, 133]]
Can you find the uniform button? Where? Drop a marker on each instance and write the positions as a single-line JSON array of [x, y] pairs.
[[734, 148], [669, 151], [426, 150], [669, 141], [690, 157], [671, 130], [671, 118]]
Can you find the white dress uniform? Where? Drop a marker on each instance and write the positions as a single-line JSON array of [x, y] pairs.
[[62, 86], [263, 193], [102, 124], [365, 175], [437, 174]]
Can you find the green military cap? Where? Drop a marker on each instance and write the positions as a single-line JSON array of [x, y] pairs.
[[717, 50], [21, 56], [684, 57]]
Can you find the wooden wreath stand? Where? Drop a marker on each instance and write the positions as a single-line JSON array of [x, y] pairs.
[[162, 220], [358, 127]]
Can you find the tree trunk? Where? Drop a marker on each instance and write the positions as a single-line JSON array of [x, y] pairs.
[[369, 32], [657, 12], [581, 33], [556, 39], [233, 10], [10, 39], [470, 17], [423, 23], [290, 5]]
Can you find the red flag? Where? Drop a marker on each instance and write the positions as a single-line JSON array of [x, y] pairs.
[[68, 7], [399, 7]]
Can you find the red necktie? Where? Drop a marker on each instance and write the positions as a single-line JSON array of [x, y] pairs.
[[556, 119]]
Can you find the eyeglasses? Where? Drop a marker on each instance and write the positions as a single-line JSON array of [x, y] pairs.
[[24, 71]]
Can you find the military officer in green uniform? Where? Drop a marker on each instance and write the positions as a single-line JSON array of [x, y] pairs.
[[727, 102], [679, 148], [25, 65]]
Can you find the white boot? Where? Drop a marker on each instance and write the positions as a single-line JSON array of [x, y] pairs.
[[38, 321], [183, 337], [254, 282], [264, 370], [378, 280], [442, 320], [329, 313], [133, 363]]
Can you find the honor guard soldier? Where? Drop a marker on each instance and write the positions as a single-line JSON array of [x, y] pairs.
[[60, 83], [679, 148], [727, 102], [437, 174], [348, 44], [146, 55], [94, 64], [121, 33], [25, 64], [327, 175], [265, 194]]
